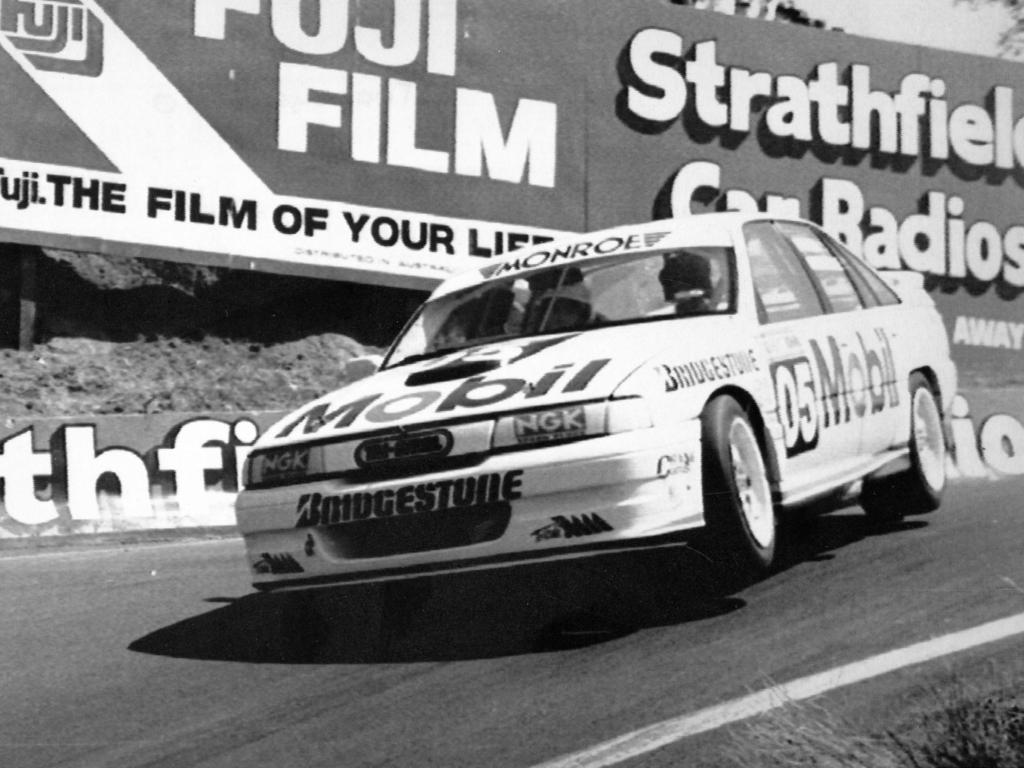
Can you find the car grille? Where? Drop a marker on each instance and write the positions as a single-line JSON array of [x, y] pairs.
[[416, 533], [395, 470], [403, 449]]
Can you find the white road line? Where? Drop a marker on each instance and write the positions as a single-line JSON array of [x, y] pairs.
[[653, 737], [94, 551]]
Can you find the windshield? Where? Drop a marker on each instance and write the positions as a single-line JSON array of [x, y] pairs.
[[655, 286]]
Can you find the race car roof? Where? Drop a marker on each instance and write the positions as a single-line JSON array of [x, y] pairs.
[[706, 229]]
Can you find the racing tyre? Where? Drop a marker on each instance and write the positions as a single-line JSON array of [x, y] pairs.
[[918, 489], [740, 517]]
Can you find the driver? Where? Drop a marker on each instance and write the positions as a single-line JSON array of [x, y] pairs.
[[565, 307], [455, 331], [687, 280]]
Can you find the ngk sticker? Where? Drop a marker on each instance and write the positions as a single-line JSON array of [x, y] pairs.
[[285, 462], [555, 424]]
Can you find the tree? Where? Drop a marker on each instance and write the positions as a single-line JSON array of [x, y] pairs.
[[778, 10], [1011, 41]]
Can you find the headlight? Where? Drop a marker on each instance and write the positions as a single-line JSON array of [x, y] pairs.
[[279, 465], [570, 422], [628, 414]]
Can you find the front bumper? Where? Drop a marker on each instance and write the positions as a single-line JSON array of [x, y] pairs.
[[635, 488]]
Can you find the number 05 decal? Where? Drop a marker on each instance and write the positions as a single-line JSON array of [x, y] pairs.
[[797, 397]]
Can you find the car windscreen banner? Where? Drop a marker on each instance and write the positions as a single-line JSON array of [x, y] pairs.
[[913, 157], [380, 141]]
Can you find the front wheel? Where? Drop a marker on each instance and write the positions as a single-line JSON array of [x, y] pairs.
[[739, 513], [917, 489]]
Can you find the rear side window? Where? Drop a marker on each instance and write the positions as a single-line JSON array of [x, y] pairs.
[[784, 289], [832, 275], [877, 287]]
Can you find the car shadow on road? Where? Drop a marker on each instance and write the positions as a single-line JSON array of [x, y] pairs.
[[484, 614], [811, 537]]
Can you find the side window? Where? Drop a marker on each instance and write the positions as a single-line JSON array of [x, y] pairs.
[[882, 293], [837, 284], [783, 287]]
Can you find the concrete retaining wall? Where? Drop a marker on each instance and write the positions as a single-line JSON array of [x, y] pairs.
[[120, 474], [109, 474]]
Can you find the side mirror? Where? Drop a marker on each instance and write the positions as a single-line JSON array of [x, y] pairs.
[[360, 367]]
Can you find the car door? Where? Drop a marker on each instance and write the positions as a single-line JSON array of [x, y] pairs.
[[858, 370], [808, 339], [886, 420]]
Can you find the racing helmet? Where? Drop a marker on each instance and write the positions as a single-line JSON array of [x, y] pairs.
[[686, 278]]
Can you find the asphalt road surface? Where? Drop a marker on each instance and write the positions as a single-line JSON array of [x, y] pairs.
[[162, 655]]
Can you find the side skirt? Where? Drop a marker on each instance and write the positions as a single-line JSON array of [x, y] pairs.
[[890, 462]]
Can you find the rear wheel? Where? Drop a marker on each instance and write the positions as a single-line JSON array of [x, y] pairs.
[[740, 516], [917, 489]]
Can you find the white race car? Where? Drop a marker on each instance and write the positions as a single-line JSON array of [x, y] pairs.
[[686, 379]]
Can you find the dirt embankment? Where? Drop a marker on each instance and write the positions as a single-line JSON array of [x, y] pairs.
[[118, 335]]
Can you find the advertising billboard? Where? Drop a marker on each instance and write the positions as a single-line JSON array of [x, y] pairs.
[[913, 157], [384, 142], [394, 142]]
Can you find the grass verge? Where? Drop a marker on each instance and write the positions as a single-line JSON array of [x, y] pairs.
[[954, 723]]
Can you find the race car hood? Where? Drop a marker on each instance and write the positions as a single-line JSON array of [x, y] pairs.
[[479, 381]]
